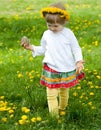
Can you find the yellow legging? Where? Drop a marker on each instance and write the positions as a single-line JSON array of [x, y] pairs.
[[53, 104]]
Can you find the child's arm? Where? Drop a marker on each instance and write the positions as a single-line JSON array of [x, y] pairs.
[[25, 42], [36, 50], [79, 66]]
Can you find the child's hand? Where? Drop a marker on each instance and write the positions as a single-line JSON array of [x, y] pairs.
[[25, 42], [79, 66]]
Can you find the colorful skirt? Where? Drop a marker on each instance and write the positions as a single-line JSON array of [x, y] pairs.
[[53, 79]]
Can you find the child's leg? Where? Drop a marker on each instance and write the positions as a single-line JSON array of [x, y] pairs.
[[52, 101], [63, 98]]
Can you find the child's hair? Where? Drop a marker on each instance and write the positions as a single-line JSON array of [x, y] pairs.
[[56, 13], [58, 5]]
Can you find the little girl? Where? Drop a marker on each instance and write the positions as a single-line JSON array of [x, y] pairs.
[[63, 62]]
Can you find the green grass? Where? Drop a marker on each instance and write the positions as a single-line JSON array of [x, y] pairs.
[[20, 72]]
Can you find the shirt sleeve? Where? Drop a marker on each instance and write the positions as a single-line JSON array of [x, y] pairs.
[[76, 49], [39, 50]]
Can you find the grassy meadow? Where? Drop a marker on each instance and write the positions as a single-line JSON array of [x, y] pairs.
[[23, 104]]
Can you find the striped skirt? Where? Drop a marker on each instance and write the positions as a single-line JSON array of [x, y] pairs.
[[53, 79]]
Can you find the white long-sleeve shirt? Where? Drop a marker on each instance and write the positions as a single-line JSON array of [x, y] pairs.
[[61, 50]]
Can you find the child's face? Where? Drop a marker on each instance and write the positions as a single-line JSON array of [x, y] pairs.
[[55, 27]]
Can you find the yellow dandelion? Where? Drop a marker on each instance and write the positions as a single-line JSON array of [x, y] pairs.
[[75, 94], [96, 43], [11, 111], [25, 109], [86, 98], [18, 95], [83, 47], [2, 97], [31, 77], [4, 108], [20, 75], [38, 118], [33, 119], [92, 86], [79, 87], [4, 119], [22, 67], [81, 96], [11, 49], [83, 104], [14, 108], [59, 121], [9, 108], [90, 103], [97, 87], [28, 8], [32, 71], [24, 117], [1, 62], [27, 87], [16, 17], [33, 28], [22, 122], [86, 69], [76, 28], [67, 5], [77, 6], [16, 123], [31, 59], [91, 93], [11, 115], [89, 83], [89, 50], [93, 107], [62, 113], [31, 80], [99, 77]]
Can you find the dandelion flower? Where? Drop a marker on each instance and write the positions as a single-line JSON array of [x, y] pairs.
[[4, 119], [99, 77], [24, 117], [75, 94], [93, 107], [2, 97], [91, 93], [11, 111], [92, 86], [90, 103], [22, 122], [38, 118], [33, 119], [89, 83], [62, 113], [59, 121], [28, 8], [79, 87], [25, 109], [20, 75], [31, 59], [11, 115], [96, 87]]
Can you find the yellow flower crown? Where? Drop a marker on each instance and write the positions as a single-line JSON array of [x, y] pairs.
[[55, 10]]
